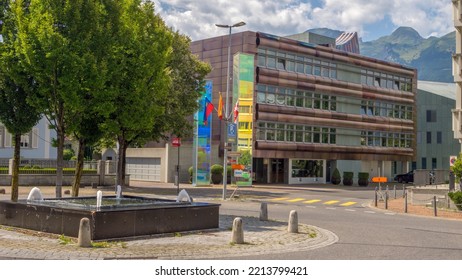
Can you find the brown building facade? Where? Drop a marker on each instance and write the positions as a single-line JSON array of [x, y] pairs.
[[313, 109]]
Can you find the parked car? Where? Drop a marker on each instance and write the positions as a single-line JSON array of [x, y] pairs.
[[406, 178]]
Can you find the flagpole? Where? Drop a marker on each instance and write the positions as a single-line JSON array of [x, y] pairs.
[[225, 151]]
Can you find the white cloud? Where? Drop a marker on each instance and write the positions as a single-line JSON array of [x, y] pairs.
[[281, 17]]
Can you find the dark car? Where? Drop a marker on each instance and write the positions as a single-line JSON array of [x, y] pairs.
[[406, 178]]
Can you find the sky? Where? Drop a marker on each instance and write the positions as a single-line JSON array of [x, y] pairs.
[[372, 19]]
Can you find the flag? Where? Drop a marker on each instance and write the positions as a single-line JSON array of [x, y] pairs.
[[236, 111], [220, 107], [208, 108]]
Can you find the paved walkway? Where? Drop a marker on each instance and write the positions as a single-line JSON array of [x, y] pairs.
[[261, 237]]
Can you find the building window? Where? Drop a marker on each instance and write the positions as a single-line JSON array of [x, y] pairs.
[[433, 163], [383, 139], [429, 137], [2, 135], [439, 137], [431, 115], [424, 163], [295, 133], [307, 168]]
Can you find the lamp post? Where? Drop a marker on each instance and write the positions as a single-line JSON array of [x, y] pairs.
[[226, 118]]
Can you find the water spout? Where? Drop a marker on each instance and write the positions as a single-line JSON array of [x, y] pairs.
[[35, 194], [183, 195], [119, 192], [99, 199]]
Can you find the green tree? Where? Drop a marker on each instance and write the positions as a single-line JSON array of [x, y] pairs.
[[457, 168], [16, 86], [57, 41], [137, 75]]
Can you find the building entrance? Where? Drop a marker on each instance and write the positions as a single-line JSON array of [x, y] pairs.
[[277, 171]]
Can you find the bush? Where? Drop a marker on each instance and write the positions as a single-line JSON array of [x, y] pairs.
[[456, 197], [336, 179], [68, 154], [217, 173], [190, 171], [347, 178], [363, 179]]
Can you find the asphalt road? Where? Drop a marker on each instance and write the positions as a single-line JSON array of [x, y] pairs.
[[364, 232]]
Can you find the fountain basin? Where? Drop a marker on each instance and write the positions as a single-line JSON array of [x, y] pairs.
[[129, 216]]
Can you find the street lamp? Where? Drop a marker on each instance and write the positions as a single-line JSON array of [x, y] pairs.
[[225, 152]]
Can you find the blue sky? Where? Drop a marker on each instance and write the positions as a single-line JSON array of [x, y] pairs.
[[370, 18]]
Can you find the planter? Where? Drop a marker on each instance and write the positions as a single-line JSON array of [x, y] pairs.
[[216, 178], [348, 178]]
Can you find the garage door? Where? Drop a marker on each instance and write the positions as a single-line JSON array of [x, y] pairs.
[[144, 169]]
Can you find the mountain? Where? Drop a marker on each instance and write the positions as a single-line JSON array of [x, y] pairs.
[[432, 57]]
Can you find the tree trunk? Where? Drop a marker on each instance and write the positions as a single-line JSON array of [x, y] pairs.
[[16, 159], [121, 160], [78, 168], [59, 161]]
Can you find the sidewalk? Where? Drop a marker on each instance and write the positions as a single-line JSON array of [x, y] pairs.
[[261, 237]]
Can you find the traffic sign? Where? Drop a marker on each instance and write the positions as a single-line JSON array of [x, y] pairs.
[[232, 130], [176, 142]]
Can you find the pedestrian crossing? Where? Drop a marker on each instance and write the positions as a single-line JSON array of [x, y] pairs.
[[315, 201]]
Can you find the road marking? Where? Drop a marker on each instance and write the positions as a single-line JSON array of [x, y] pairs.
[[312, 201], [331, 208], [370, 212], [349, 203], [295, 200], [310, 206], [330, 202], [279, 198], [351, 210], [388, 213]]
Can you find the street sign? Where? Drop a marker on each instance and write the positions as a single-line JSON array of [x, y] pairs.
[[234, 154], [176, 142], [379, 179], [232, 130]]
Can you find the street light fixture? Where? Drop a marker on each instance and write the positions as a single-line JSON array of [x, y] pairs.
[[226, 118]]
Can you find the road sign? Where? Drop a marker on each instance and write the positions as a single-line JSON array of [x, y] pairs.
[[234, 154], [232, 131], [379, 179], [176, 142]]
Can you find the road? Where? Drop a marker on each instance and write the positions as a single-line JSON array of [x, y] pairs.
[[364, 232]]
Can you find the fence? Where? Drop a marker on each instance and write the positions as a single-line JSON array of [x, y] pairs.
[[435, 196], [43, 172]]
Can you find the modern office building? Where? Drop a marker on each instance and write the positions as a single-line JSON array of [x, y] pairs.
[[435, 140], [306, 108]]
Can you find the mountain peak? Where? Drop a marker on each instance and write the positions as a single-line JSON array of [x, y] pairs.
[[405, 34]]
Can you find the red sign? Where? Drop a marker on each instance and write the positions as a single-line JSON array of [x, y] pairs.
[[176, 142]]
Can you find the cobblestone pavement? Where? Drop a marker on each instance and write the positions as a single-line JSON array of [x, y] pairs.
[[261, 237]]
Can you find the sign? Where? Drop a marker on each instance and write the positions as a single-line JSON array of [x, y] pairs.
[[238, 173], [379, 179], [452, 160], [176, 142], [232, 132], [234, 154]]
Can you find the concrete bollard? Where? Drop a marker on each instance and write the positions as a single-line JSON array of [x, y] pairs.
[[238, 231], [263, 212], [84, 239], [293, 222]]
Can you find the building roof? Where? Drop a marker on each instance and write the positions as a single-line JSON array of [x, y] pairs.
[[447, 90]]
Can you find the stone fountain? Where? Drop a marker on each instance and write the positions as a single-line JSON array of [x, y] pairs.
[[111, 217]]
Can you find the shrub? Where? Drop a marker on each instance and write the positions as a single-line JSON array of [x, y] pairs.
[[190, 171], [456, 197], [348, 178], [217, 173], [363, 179], [336, 179], [68, 154]]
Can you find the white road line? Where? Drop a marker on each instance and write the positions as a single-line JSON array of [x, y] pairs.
[[331, 208], [351, 210], [310, 206], [388, 213], [369, 212]]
